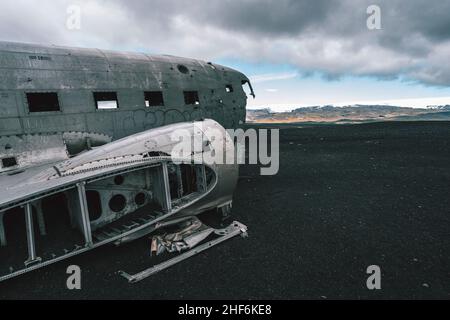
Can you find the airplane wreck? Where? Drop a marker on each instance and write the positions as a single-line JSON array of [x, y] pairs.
[[88, 132]]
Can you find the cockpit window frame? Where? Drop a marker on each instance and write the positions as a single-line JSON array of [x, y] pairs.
[[247, 81]]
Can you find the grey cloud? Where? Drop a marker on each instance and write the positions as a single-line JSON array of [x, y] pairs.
[[329, 37]]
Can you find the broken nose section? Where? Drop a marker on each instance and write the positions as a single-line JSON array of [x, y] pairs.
[[191, 236]]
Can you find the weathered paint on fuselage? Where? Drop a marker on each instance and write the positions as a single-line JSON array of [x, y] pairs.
[[92, 157], [74, 74]]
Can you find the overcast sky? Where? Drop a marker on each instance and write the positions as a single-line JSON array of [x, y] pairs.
[[296, 52]]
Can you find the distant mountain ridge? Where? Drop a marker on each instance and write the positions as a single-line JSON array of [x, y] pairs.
[[349, 114]]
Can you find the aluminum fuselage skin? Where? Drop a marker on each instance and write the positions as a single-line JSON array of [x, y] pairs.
[[75, 74], [61, 151]]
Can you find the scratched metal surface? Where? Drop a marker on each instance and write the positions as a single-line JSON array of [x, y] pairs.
[[44, 153], [123, 153], [75, 73], [33, 139]]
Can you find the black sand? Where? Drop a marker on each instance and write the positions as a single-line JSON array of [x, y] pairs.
[[346, 197]]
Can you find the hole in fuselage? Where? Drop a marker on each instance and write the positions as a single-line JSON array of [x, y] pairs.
[[9, 162], [94, 204], [183, 69], [117, 203], [182, 180], [43, 101], [140, 199]]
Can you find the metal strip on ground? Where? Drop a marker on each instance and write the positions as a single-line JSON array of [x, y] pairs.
[[235, 229]]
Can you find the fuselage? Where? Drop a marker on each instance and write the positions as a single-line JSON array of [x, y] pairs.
[[49, 92], [191, 90], [86, 147]]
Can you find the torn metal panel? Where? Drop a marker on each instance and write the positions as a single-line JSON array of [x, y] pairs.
[[235, 229], [192, 232]]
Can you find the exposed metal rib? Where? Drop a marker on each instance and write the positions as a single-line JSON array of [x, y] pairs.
[[32, 257]]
